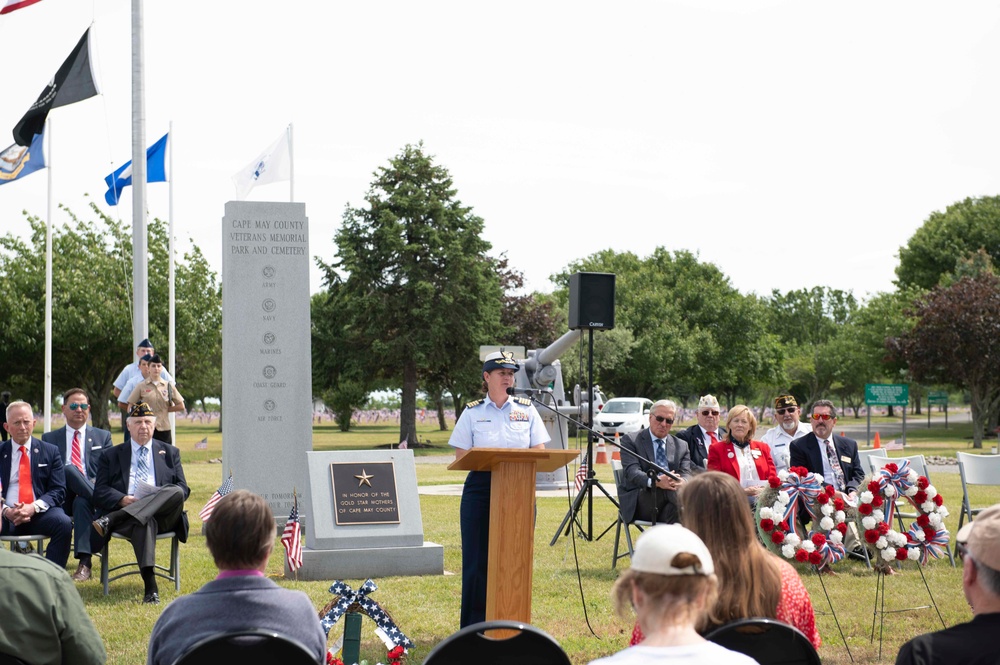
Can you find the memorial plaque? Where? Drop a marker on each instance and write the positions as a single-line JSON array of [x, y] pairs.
[[364, 493], [266, 358]]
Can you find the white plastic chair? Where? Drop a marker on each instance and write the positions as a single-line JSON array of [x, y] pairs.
[[975, 470]]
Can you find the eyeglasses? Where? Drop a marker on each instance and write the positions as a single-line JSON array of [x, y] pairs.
[[76, 405], [663, 419], [782, 412], [706, 412], [821, 416]]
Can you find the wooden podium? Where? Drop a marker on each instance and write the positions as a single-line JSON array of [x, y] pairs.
[[512, 522]]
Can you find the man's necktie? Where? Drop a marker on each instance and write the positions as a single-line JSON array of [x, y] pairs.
[[76, 456], [835, 465], [712, 434], [660, 453], [142, 466], [25, 493]]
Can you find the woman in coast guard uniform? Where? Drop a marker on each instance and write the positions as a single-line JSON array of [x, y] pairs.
[[497, 421]]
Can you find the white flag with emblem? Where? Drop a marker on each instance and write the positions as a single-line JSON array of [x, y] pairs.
[[272, 165]]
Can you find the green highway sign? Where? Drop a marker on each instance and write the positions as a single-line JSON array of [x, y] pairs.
[[937, 397], [891, 394]]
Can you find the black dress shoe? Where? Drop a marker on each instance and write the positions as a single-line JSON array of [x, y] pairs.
[[102, 525], [151, 599]]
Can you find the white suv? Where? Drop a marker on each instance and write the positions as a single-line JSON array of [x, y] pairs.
[[624, 415]]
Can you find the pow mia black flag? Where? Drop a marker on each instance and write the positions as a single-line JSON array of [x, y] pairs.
[[73, 82]]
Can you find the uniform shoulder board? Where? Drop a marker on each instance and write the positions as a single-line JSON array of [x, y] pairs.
[[473, 403], [523, 400]]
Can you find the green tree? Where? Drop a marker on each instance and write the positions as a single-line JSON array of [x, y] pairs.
[[690, 331], [946, 237], [198, 307], [423, 293], [956, 341], [91, 307], [807, 322]]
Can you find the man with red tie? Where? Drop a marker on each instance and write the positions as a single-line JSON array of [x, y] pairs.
[[34, 485], [80, 445], [700, 437]]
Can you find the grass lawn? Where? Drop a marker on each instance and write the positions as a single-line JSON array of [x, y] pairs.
[[427, 608]]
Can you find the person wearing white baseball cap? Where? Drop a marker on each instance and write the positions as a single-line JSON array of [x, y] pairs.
[[671, 584], [974, 642]]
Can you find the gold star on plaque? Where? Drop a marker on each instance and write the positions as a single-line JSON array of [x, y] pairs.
[[364, 478]]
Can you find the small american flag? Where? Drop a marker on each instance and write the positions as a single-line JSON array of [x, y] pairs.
[[202, 445], [292, 539], [402, 444], [225, 489], [581, 475]]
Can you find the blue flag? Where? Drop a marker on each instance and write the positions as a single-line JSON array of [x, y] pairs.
[[18, 161], [156, 171]]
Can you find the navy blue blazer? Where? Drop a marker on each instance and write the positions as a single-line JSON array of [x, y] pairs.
[[805, 451], [48, 480], [697, 446], [98, 440], [113, 472]]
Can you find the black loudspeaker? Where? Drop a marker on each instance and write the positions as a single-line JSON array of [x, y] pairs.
[[592, 301]]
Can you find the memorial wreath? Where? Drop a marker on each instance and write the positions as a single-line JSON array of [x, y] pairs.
[[792, 498], [927, 536]]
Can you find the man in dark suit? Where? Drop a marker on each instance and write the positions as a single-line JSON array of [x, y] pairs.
[[700, 437], [644, 496], [833, 457], [823, 452], [80, 446], [31, 472], [140, 491]]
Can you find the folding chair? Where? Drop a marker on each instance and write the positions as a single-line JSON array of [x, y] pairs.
[[530, 646], [918, 464], [975, 470], [23, 541], [252, 646], [768, 641], [173, 573], [616, 466], [864, 456]]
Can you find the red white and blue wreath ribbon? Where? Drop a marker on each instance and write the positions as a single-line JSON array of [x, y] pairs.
[[349, 596]]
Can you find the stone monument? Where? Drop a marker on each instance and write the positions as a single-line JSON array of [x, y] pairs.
[[266, 357], [366, 518]]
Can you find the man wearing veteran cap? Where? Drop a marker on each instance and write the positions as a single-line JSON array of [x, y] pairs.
[[701, 436], [497, 421], [788, 428], [972, 643], [140, 491], [671, 585]]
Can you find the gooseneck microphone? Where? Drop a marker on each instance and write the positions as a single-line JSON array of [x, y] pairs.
[[522, 391]]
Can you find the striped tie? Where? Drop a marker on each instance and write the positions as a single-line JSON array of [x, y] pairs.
[[142, 468]]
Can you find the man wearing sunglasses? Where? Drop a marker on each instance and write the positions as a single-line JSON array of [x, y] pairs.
[[700, 437], [833, 457], [789, 428], [80, 445], [646, 495]]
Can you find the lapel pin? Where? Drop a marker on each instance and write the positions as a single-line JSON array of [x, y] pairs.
[[163, 452]]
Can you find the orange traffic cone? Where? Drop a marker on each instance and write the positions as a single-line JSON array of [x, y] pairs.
[[602, 453], [616, 454], [878, 441]]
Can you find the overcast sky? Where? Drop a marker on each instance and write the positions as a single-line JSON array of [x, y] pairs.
[[793, 144]]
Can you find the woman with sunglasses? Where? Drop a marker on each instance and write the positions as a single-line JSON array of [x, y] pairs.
[[752, 581], [744, 459]]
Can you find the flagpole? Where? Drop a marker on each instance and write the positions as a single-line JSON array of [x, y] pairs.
[[171, 277], [291, 167], [140, 291], [47, 409]]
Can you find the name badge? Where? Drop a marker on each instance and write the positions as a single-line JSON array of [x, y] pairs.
[[845, 459], [95, 447], [41, 465]]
